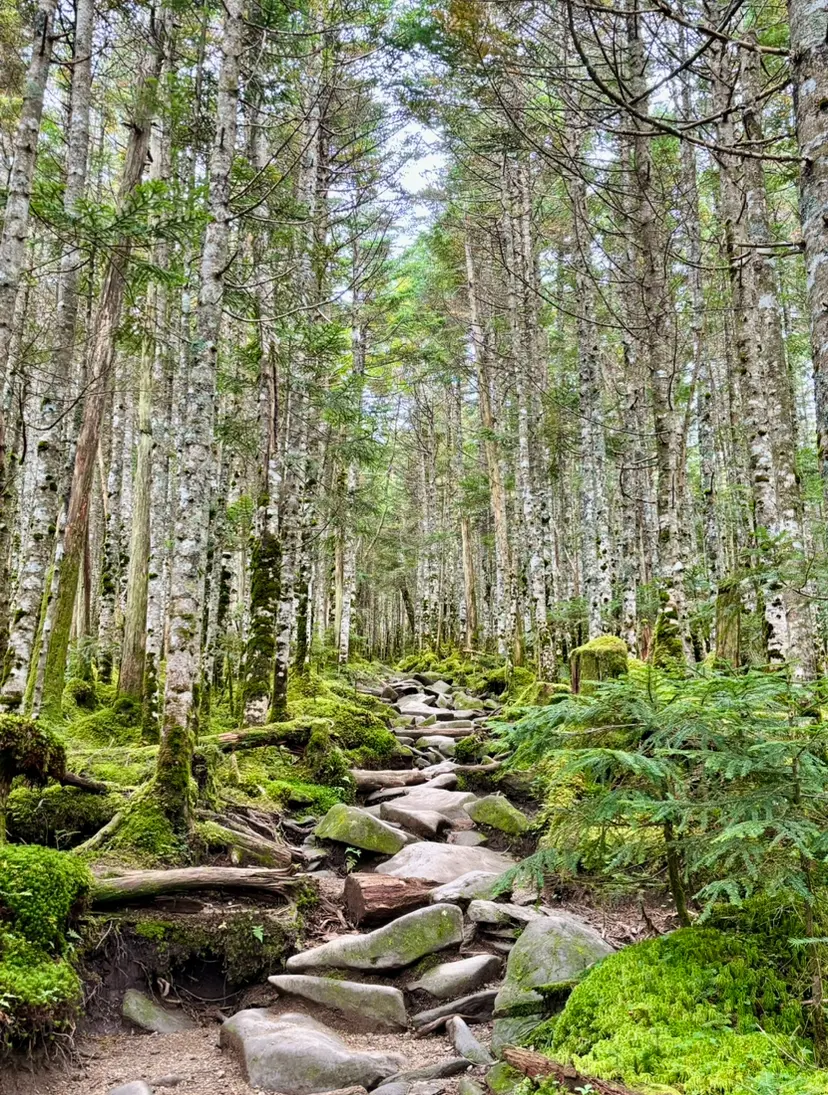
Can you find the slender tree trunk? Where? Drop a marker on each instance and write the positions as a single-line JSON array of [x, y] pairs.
[[190, 556]]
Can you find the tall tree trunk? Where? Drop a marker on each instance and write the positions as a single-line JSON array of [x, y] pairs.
[[190, 556]]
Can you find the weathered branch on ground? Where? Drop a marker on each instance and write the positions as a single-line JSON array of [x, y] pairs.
[[103, 834], [94, 786], [243, 841], [136, 885], [536, 1066], [251, 738]]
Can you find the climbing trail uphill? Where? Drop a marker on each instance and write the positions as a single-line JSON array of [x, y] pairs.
[[431, 972]]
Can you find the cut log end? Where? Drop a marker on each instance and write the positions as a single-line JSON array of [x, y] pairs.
[[377, 898]]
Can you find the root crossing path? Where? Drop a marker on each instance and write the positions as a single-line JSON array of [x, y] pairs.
[[423, 971]]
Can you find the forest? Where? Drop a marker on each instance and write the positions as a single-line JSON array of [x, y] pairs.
[[413, 540]]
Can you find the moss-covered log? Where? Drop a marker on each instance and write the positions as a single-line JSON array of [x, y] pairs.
[[537, 1067]]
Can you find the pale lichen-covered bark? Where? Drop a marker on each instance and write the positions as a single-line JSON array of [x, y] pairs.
[[189, 557]]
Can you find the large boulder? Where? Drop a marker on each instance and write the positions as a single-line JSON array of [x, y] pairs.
[[552, 950], [444, 862], [394, 946], [296, 1055], [382, 1004], [357, 828], [143, 1012], [451, 979], [497, 812]]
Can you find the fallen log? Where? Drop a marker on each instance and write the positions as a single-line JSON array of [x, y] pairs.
[[373, 781], [233, 740], [536, 1066], [375, 898], [244, 842], [94, 786], [135, 885]]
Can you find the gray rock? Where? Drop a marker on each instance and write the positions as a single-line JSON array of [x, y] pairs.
[[427, 823], [295, 1055], [490, 912], [171, 1080], [429, 720], [427, 1087], [479, 1006], [468, 839], [452, 979], [467, 1086], [498, 812], [357, 828], [444, 862], [465, 1042], [390, 693], [465, 715], [425, 796], [438, 688], [437, 1071], [146, 1014], [137, 1087], [445, 703], [440, 742], [393, 1089], [551, 949], [466, 887], [382, 1004], [446, 780], [393, 946], [513, 1030], [502, 1078]]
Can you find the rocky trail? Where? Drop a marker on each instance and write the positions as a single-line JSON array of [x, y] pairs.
[[430, 972]]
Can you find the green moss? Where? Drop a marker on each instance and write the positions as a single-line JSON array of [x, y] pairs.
[[470, 750], [118, 724], [146, 833], [57, 815], [699, 1009], [40, 992], [325, 762], [600, 659], [318, 800], [667, 649]]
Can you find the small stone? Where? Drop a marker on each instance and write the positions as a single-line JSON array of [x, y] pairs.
[[465, 1042], [490, 912], [498, 812], [446, 781], [478, 1006], [468, 839], [168, 1081], [146, 1014], [427, 1087], [137, 1087], [467, 1086], [502, 1078], [440, 742], [393, 1089], [466, 887], [438, 688]]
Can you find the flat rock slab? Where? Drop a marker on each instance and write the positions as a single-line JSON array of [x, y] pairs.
[[452, 979], [295, 1055], [382, 1004], [551, 949], [146, 1014], [451, 715], [445, 780], [439, 799], [466, 1044], [467, 839], [478, 1006], [490, 912], [425, 823], [357, 828], [498, 812], [444, 862], [467, 887], [441, 742], [394, 946]]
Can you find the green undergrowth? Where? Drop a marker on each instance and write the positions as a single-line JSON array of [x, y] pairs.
[[700, 1011], [58, 816], [41, 890]]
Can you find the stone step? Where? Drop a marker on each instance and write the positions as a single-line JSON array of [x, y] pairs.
[[382, 1004]]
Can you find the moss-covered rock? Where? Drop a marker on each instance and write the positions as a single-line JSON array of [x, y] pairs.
[[699, 1010], [355, 827], [40, 991], [601, 659], [498, 812]]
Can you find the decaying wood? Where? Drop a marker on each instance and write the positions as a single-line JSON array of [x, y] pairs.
[[102, 834], [135, 885], [251, 738], [244, 842], [373, 781], [376, 898], [535, 1066], [94, 786]]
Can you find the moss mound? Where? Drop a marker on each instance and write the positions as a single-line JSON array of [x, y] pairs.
[[600, 659], [58, 816], [699, 1010], [40, 992]]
